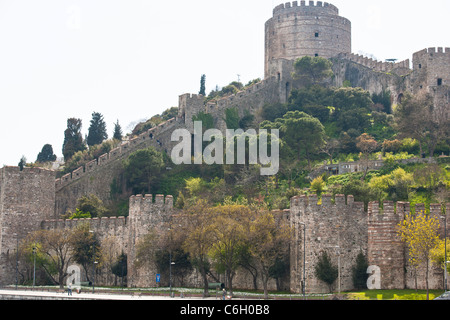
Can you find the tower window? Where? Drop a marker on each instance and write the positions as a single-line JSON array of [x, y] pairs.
[[316, 34], [420, 66], [439, 82]]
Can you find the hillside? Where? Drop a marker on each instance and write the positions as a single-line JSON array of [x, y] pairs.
[[319, 124]]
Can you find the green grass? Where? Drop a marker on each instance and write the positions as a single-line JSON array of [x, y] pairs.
[[394, 295]]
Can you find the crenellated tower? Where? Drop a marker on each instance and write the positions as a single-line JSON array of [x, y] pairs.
[[27, 197], [339, 229], [298, 30], [147, 214]]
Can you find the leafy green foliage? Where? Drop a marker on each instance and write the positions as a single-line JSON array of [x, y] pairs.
[[232, 118], [73, 140], [46, 155], [92, 205], [142, 169], [359, 272], [312, 70], [118, 135], [325, 271], [97, 130], [203, 85], [119, 268], [206, 119]]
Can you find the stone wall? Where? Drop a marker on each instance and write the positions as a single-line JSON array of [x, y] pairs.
[[26, 198], [385, 247], [97, 176], [348, 226], [339, 229], [298, 30]]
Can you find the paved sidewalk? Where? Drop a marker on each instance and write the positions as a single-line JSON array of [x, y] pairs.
[[39, 295]]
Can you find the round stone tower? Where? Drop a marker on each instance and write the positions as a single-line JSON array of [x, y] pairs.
[[298, 30]]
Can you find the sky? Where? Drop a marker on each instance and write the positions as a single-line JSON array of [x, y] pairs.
[[130, 60]]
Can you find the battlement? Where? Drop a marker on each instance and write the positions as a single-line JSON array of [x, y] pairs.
[[431, 51], [140, 204], [26, 170], [312, 201], [226, 102], [295, 5], [142, 141], [96, 224], [374, 64]]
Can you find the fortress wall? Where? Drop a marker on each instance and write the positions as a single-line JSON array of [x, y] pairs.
[[359, 75], [416, 275], [328, 225], [432, 75], [97, 176], [375, 65], [347, 225], [386, 250], [251, 100], [26, 198], [147, 215], [298, 30]]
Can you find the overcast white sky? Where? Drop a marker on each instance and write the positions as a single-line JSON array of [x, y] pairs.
[[130, 60]]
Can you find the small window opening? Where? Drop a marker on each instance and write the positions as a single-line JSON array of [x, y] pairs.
[[316, 34], [439, 82], [316, 55]]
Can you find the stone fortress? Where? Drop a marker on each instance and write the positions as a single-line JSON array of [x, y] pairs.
[[32, 199]]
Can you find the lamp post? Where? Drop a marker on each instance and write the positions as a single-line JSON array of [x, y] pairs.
[[338, 250], [93, 261], [304, 260], [170, 272], [445, 252], [17, 259], [34, 265]]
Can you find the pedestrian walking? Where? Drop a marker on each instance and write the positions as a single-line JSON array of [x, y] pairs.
[[69, 289]]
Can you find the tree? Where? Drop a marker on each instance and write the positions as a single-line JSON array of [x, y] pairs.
[[97, 130], [119, 268], [439, 253], [55, 251], [142, 169], [117, 131], [203, 85], [312, 70], [46, 155], [366, 144], [268, 244], [198, 240], [318, 185], [86, 248], [352, 107], [413, 117], [360, 275], [325, 270], [420, 234], [73, 140], [93, 205], [395, 185], [301, 132], [230, 227], [169, 113]]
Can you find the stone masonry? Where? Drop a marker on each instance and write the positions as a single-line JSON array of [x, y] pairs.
[[32, 199]]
